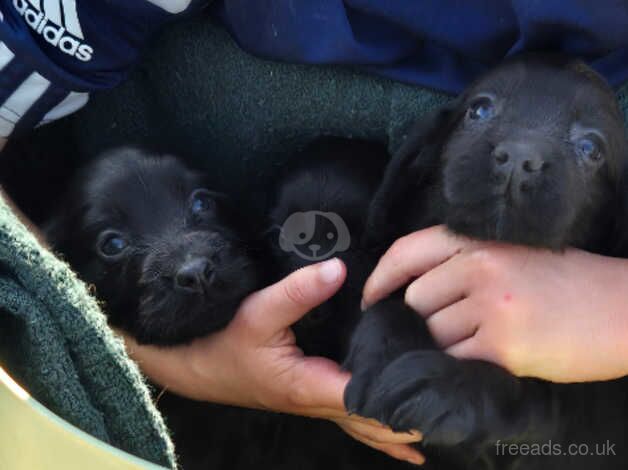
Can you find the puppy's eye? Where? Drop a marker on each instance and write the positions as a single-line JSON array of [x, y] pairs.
[[589, 148], [201, 201], [481, 109], [111, 244]]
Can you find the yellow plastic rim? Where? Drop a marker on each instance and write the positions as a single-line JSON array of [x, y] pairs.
[[32, 437]]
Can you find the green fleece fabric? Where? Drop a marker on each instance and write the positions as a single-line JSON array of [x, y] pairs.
[[197, 95]]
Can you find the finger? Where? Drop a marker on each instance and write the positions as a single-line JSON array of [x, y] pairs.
[[398, 451], [276, 307], [408, 258], [468, 349], [455, 323], [444, 285], [474, 348], [378, 432]]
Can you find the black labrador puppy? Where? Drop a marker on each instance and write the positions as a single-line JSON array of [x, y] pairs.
[[534, 153]]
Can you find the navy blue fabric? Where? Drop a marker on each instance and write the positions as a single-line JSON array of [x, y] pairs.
[[114, 33], [442, 44]]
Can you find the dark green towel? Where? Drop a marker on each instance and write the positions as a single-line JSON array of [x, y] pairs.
[[199, 96]]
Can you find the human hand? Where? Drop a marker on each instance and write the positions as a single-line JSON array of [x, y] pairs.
[[254, 362], [558, 316]]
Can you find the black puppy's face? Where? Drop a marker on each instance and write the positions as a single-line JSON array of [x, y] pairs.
[[533, 153], [163, 252]]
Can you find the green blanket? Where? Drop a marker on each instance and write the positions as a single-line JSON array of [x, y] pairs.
[[197, 95]]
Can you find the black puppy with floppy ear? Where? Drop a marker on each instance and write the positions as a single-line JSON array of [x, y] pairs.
[[530, 154], [171, 258], [415, 160], [505, 161]]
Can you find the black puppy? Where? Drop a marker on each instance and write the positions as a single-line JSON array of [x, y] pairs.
[[319, 211], [534, 153], [171, 259]]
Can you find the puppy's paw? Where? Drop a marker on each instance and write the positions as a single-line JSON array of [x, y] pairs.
[[385, 332], [449, 401], [357, 390], [364, 374]]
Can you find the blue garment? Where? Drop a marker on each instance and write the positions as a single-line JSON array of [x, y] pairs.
[[54, 52], [441, 44]]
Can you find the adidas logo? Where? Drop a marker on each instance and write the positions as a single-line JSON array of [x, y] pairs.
[[57, 22]]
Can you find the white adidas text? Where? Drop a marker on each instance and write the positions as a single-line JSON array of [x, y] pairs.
[[53, 33]]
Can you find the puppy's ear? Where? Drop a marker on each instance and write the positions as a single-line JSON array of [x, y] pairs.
[[415, 159], [62, 232]]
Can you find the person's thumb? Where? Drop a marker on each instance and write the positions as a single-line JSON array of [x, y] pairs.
[[276, 307]]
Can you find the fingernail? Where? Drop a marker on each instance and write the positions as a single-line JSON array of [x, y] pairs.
[[329, 272], [363, 305]]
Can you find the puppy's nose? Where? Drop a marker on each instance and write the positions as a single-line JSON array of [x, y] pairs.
[[517, 156], [194, 275]]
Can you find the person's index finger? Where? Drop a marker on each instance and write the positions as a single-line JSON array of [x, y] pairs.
[[280, 305], [408, 258]]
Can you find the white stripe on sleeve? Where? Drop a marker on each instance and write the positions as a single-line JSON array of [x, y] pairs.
[[6, 55], [6, 127], [73, 102], [172, 6], [25, 95], [20, 101]]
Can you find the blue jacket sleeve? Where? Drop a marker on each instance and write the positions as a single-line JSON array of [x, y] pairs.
[[53, 53]]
